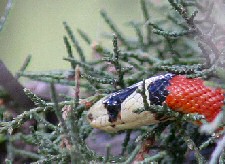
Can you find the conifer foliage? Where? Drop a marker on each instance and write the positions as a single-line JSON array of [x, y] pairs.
[[186, 39]]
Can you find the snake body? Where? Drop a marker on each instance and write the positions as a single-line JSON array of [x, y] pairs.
[[116, 111]]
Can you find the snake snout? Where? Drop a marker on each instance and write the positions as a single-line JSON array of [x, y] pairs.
[[97, 112]]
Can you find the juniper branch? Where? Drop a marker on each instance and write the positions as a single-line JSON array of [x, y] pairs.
[[191, 145], [53, 158], [108, 147], [114, 28], [99, 80], [27, 154], [69, 50], [87, 67], [165, 110], [44, 122], [139, 34], [57, 109], [84, 36], [146, 18], [24, 66], [36, 75], [37, 101], [174, 34], [135, 65], [116, 63], [209, 141], [75, 42], [126, 141], [29, 139], [144, 97], [154, 158], [133, 154], [204, 38], [139, 56], [182, 69], [46, 146], [20, 119]]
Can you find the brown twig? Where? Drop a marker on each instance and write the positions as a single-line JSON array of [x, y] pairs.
[[145, 147], [77, 86]]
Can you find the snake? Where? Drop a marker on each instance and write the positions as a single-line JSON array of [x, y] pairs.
[[115, 111]]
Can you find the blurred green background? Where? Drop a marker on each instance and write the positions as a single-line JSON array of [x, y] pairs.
[[35, 27]]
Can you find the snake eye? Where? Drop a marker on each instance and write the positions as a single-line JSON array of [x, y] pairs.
[[90, 116]]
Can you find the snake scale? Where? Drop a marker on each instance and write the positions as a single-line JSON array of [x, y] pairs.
[[116, 111]]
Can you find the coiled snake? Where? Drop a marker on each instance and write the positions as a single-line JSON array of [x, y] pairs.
[[115, 112]]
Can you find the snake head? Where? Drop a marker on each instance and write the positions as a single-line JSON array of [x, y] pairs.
[[122, 117]]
